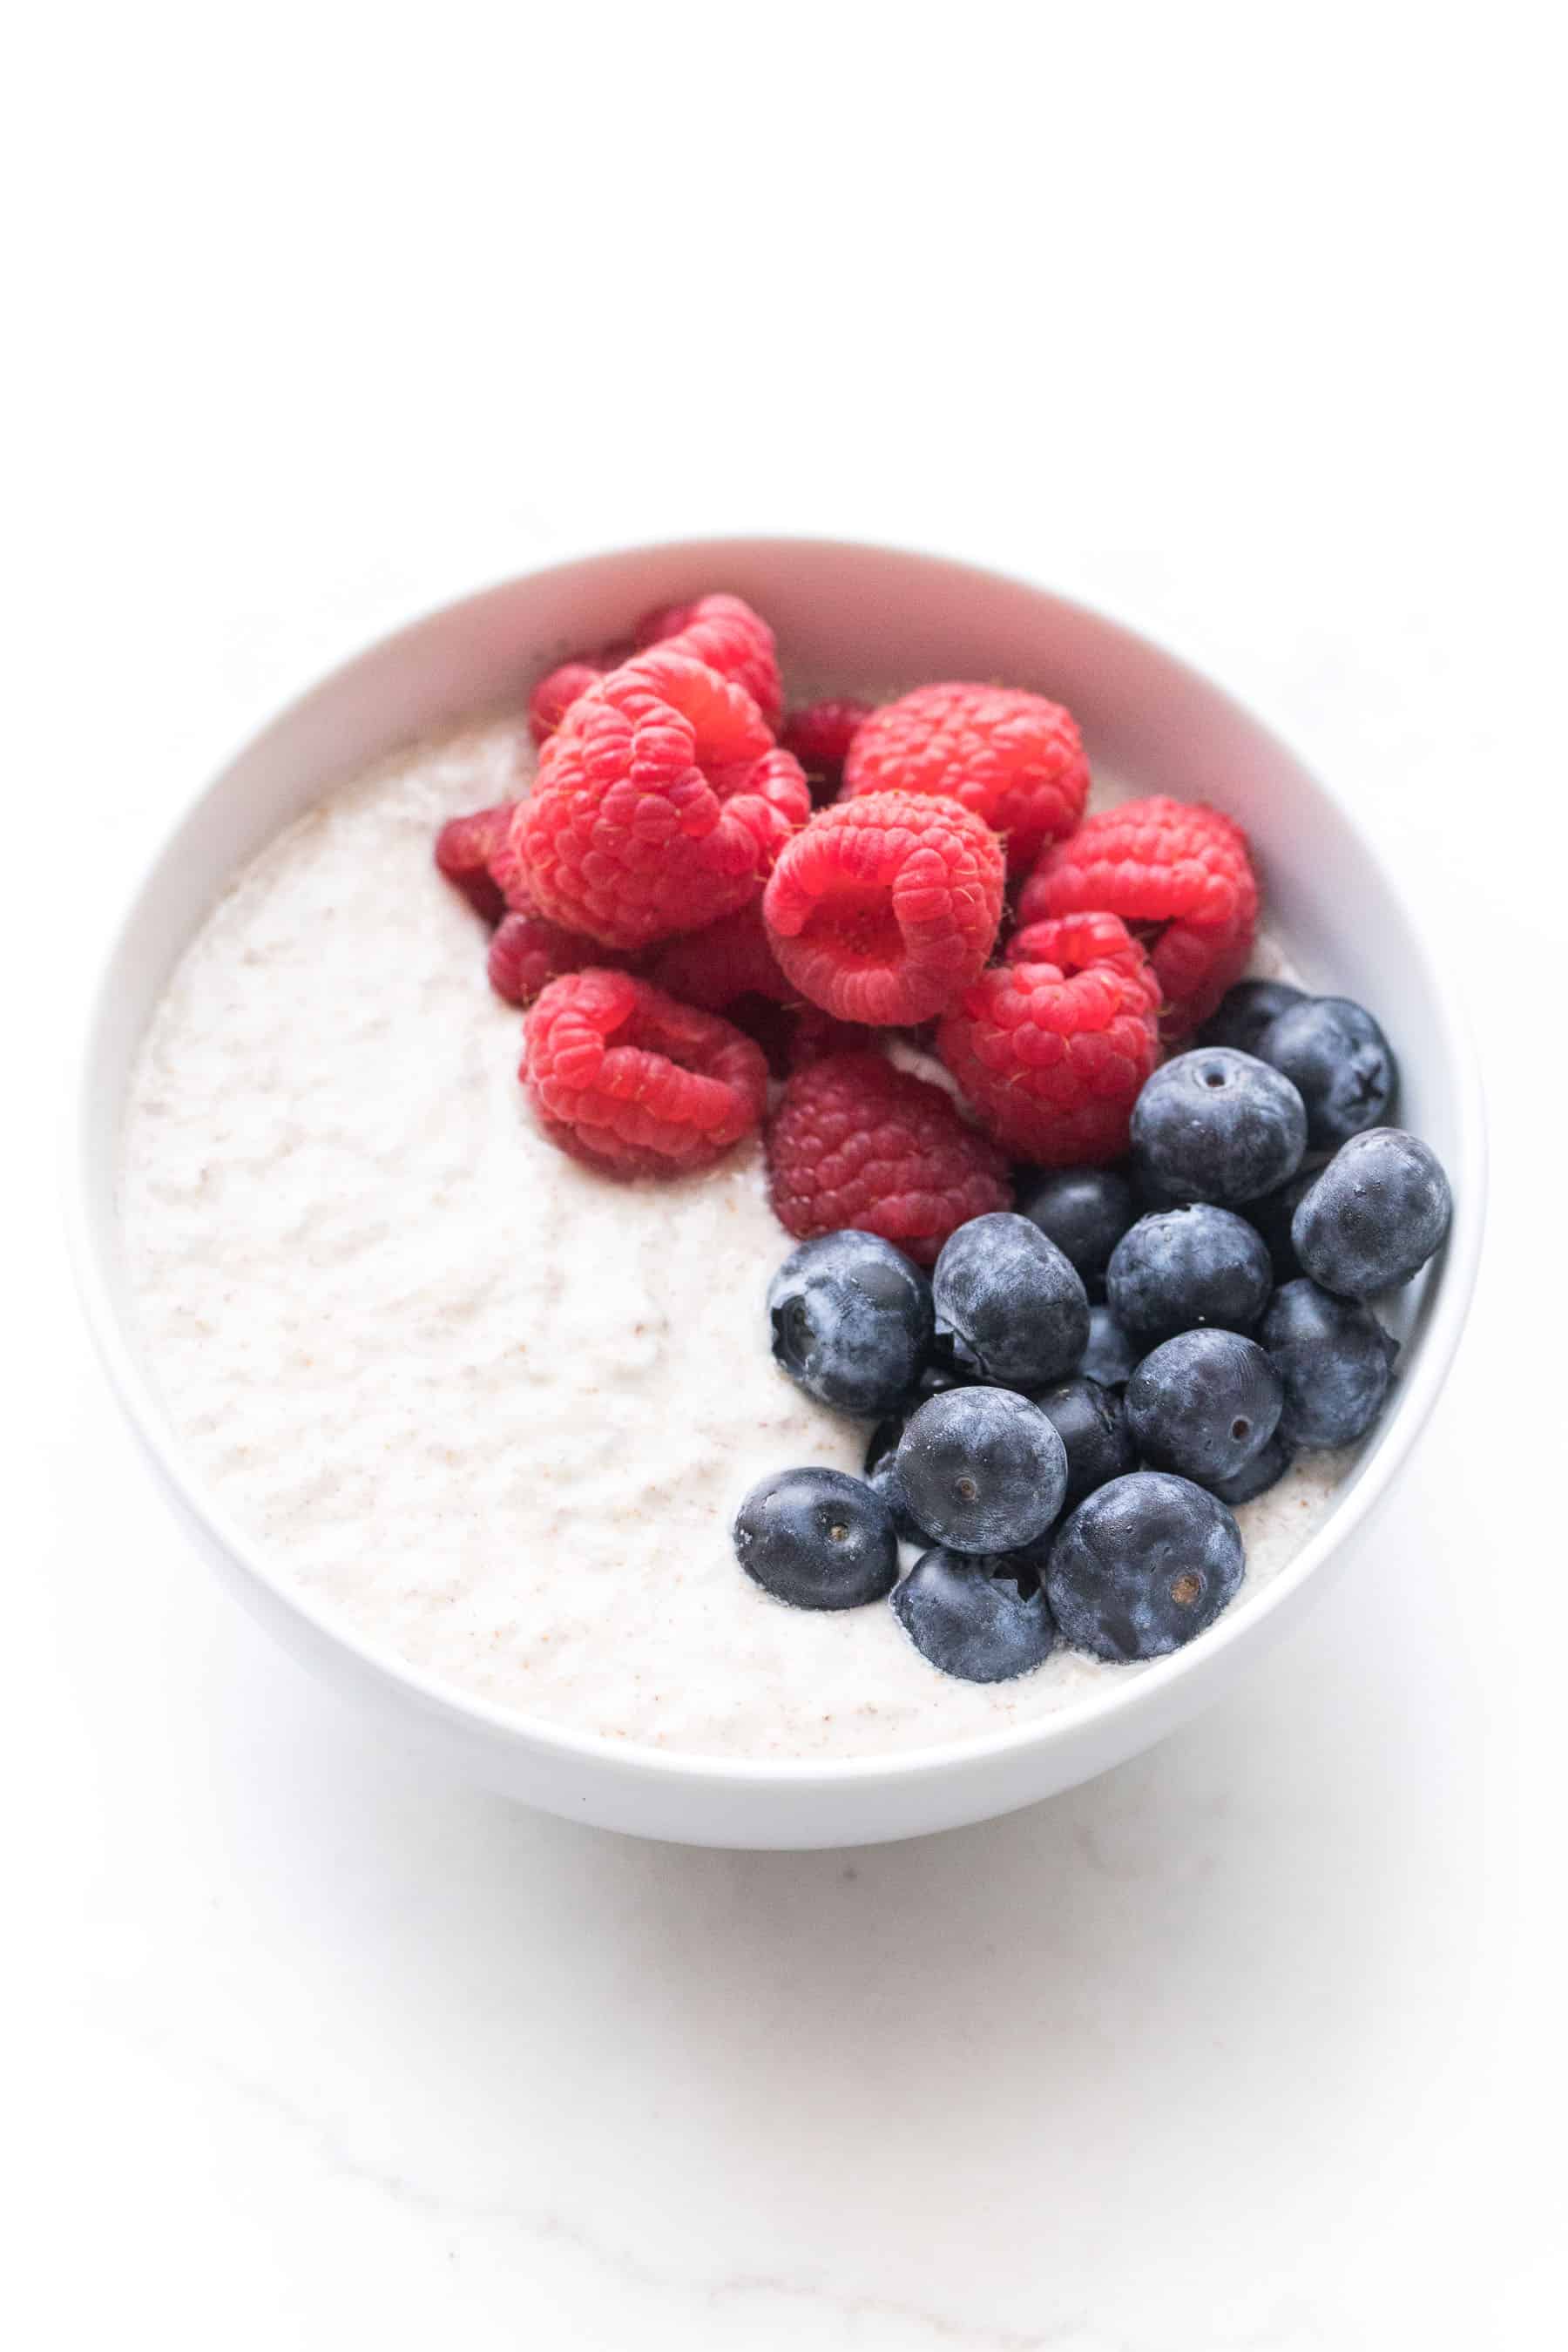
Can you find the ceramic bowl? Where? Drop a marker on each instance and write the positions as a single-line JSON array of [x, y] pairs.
[[846, 616]]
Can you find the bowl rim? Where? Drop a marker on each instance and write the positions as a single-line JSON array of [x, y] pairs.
[[90, 1240]]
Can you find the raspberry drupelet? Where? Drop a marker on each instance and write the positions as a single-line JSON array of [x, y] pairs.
[[633, 1083], [884, 906], [1014, 759], [1166, 862], [660, 804], [857, 1142], [725, 632], [1052, 1053]]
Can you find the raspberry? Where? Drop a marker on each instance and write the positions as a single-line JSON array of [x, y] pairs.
[[1160, 862], [1014, 758], [885, 905], [857, 1142], [554, 695], [813, 1034], [820, 736], [527, 952], [465, 847], [660, 803], [1052, 1053], [725, 632], [633, 1083], [726, 959]]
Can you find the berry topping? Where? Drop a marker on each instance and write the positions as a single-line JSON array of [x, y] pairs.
[[851, 1321], [1085, 1210], [882, 1474], [814, 1034], [725, 632], [1265, 1469], [883, 907], [554, 695], [465, 847], [1181, 1268], [725, 960], [634, 1083], [1339, 1062], [983, 1470], [1215, 1125], [1245, 1013], [1335, 1360], [1111, 1356], [527, 953], [820, 736], [855, 1142], [1014, 758], [817, 1540], [1202, 1404], [1162, 862], [1273, 1216], [1052, 1053], [1008, 1305], [968, 1617], [660, 804], [1091, 1425], [1142, 1566], [1378, 1211]]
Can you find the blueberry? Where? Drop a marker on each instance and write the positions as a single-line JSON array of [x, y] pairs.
[[1245, 1013], [1265, 1469], [1183, 1268], [1203, 1403], [817, 1539], [1009, 1305], [1110, 1355], [1338, 1060], [1376, 1215], [1085, 1210], [982, 1469], [1094, 1428], [1335, 1360], [852, 1321], [971, 1621], [882, 1476], [1272, 1216], [1142, 1566], [1215, 1125]]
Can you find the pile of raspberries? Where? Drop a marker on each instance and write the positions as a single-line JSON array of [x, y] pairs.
[[700, 895]]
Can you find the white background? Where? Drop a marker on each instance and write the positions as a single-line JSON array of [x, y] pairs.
[[1238, 322]]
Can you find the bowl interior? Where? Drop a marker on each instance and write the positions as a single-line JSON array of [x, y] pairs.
[[847, 617]]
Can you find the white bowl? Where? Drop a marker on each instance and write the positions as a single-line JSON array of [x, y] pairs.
[[845, 616]]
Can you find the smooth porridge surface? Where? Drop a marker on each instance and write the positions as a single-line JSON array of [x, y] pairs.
[[491, 1409]]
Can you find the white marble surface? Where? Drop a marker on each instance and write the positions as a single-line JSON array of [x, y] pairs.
[[1230, 320]]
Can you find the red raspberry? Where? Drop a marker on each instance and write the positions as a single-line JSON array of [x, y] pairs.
[[813, 1034], [554, 695], [728, 959], [633, 1083], [820, 736], [1166, 861], [527, 952], [725, 632], [884, 906], [660, 803], [465, 847], [1052, 1053], [857, 1142], [1014, 758]]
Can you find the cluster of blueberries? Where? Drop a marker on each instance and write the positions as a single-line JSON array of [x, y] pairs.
[[1067, 1409]]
